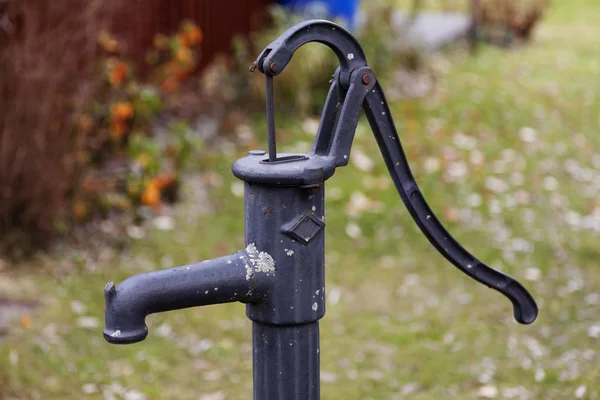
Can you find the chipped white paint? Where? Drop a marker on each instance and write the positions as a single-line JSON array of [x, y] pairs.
[[345, 157], [317, 292], [315, 306], [264, 263], [350, 56], [116, 333], [228, 261], [289, 252], [314, 208], [216, 289], [249, 272], [428, 216], [251, 250], [261, 261], [469, 266], [206, 292]]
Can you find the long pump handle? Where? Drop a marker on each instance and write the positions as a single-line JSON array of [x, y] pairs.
[[354, 87]]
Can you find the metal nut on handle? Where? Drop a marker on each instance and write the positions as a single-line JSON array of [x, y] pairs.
[[274, 67]]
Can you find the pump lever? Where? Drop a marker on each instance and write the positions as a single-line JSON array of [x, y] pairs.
[[355, 85], [382, 124]]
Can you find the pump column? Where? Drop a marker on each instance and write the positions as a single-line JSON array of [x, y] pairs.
[[286, 223]]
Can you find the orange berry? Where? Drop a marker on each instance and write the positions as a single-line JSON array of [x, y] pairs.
[[184, 55], [118, 129], [169, 84], [26, 321], [180, 76], [151, 194], [122, 111], [79, 209], [194, 35], [164, 180], [182, 40], [118, 73], [107, 42]]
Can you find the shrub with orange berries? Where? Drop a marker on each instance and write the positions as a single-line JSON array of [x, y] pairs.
[[118, 128]]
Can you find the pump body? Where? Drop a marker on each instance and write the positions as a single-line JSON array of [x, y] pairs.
[[280, 275]]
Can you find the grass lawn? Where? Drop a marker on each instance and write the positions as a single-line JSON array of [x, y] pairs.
[[507, 152]]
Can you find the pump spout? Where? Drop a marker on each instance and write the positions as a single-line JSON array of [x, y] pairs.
[[242, 276]]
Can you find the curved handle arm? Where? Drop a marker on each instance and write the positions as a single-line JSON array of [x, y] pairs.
[[276, 56], [382, 124]]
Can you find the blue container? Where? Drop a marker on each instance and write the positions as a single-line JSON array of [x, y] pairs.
[[344, 9]]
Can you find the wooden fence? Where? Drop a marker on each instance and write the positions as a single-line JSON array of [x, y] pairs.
[[220, 20]]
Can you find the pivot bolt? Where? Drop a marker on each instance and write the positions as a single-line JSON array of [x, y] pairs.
[[274, 67], [366, 79]]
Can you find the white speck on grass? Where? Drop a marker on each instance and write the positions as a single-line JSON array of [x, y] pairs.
[[89, 388], [431, 164], [353, 230], [334, 297], [592, 298], [527, 134], [328, 377], [540, 374], [78, 307], [362, 161], [495, 184], [315, 306], [550, 183], [594, 331], [88, 322], [580, 392], [488, 392], [164, 223], [533, 274], [237, 188], [213, 396]]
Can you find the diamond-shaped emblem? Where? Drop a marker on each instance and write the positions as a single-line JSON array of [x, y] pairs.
[[305, 228]]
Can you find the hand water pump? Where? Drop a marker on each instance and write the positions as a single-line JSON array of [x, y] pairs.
[[280, 275]]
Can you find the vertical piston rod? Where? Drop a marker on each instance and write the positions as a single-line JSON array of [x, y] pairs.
[[271, 117]]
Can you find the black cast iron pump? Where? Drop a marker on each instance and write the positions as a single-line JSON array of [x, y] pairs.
[[280, 274]]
